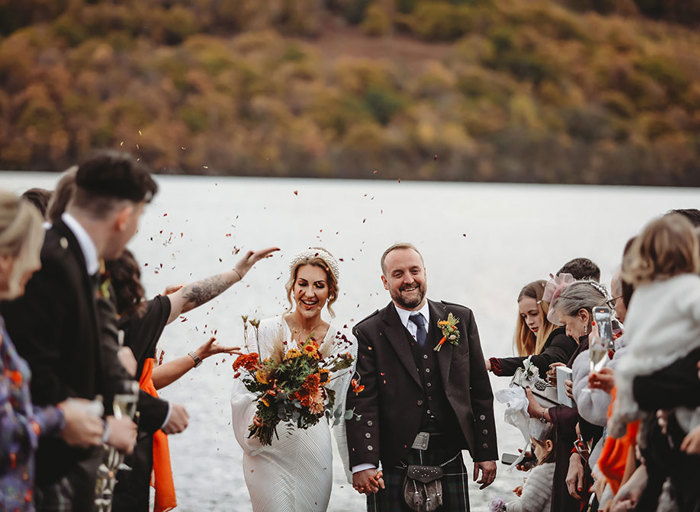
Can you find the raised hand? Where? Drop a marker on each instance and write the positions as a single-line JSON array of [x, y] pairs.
[[251, 258], [211, 348]]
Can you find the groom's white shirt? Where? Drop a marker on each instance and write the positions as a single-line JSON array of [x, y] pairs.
[[404, 315]]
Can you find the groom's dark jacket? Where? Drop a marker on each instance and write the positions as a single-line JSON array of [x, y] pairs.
[[393, 404]]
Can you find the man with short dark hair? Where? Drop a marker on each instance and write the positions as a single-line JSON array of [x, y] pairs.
[[426, 393], [55, 324], [581, 268]]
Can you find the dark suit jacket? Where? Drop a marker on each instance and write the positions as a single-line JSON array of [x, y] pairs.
[[54, 326], [389, 415], [152, 410]]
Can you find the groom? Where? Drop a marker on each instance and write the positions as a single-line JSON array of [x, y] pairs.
[[418, 405]]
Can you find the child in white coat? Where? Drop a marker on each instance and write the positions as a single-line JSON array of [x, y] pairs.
[[536, 493]]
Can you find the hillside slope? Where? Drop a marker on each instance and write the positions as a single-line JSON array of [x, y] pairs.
[[484, 90]]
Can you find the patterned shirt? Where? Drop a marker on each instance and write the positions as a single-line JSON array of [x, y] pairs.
[[21, 424]]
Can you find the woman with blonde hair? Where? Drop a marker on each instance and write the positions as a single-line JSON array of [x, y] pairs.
[[21, 423], [535, 336], [295, 471]]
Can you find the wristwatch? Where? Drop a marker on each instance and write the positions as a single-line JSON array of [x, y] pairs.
[[197, 360]]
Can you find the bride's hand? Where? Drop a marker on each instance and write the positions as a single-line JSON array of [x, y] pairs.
[[251, 258]]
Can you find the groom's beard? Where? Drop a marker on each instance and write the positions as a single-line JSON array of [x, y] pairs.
[[409, 297]]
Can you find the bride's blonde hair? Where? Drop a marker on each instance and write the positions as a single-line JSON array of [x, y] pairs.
[[318, 257]]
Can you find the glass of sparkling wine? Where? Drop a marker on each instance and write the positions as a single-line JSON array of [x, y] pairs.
[[124, 405], [597, 352]]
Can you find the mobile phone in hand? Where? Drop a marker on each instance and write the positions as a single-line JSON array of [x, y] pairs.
[[509, 458]]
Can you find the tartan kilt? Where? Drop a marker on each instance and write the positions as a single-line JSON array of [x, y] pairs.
[[455, 482]]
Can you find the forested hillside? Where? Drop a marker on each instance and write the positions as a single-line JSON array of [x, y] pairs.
[[599, 91]]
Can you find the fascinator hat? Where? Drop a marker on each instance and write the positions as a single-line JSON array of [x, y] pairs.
[[552, 290], [557, 288]]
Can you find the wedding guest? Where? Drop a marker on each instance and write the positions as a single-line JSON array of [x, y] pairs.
[[419, 406], [618, 296], [21, 422], [535, 336], [692, 214], [581, 269], [39, 197], [295, 472], [55, 325], [663, 336], [536, 493], [142, 323], [572, 305], [61, 195]]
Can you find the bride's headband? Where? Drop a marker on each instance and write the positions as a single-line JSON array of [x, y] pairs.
[[317, 252]]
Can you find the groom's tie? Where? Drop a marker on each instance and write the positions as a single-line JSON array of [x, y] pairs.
[[421, 332]]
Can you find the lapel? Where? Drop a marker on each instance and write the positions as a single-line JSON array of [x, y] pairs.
[[73, 248], [438, 312], [396, 333]]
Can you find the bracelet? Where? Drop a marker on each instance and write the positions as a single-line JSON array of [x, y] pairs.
[[197, 360], [543, 419], [240, 277]]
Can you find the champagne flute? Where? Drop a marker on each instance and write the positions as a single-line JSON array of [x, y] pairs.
[[597, 351], [124, 405], [601, 344]]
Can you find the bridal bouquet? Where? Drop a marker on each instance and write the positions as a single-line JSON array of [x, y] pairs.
[[292, 390]]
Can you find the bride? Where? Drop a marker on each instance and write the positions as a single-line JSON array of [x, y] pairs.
[[295, 472]]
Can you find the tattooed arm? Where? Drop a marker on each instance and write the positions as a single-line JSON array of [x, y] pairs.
[[195, 294]]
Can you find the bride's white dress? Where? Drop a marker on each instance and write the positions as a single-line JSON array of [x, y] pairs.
[[295, 473]]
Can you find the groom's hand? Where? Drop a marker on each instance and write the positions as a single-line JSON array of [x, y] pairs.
[[488, 473], [368, 481]]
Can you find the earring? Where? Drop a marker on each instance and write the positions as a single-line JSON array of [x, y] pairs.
[[585, 330]]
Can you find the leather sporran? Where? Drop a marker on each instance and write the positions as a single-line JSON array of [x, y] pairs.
[[422, 488]]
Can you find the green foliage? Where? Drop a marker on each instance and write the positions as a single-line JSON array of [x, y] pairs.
[[376, 22], [382, 103]]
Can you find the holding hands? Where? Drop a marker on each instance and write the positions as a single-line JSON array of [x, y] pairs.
[[368, 481]]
